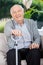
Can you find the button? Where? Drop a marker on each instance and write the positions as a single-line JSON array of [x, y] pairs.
[[15, 44]]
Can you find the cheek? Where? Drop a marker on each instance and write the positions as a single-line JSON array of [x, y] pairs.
[[13, 16], [22, 14]]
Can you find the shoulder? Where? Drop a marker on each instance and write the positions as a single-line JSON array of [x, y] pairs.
[[9, 23], [30, 21]]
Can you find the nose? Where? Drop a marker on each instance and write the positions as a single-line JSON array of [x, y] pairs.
[[16, 13]]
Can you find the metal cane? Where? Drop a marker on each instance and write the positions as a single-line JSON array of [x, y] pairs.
[[15, 46]]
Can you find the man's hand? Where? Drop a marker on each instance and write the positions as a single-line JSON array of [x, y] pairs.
[[16, 32], [34, 45]]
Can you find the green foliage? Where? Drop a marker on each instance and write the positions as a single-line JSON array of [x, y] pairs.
[[38, 10], [38, 4], [2, 24], [29, 13], [34, 14]]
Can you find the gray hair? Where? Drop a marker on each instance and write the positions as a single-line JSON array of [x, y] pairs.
[[18, 6]]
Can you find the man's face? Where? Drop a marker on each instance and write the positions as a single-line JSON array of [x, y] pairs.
[[17, 13]]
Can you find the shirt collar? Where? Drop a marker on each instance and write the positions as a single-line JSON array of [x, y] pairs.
[[16, 22]]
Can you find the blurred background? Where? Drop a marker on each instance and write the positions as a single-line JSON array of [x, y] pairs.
[[33, 10]]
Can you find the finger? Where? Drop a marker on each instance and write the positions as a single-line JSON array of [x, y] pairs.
[[37, 45], [33, 46], [12, 31]]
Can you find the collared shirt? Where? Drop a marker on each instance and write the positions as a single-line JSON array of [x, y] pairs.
[[24, 40]]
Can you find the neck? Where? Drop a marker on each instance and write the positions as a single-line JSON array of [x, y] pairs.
[[21, 22]]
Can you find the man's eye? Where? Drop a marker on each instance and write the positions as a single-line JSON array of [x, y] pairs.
[[14, 12]]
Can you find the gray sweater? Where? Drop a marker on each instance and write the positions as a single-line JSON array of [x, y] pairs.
[[31, 26]]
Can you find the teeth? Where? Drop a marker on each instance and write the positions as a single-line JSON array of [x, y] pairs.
[[18, 16]]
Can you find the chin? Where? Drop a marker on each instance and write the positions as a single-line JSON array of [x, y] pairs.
[[20, 18]]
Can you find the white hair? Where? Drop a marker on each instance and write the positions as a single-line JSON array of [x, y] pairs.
[[15, 6]]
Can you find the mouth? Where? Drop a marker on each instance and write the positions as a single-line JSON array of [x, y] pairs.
[[18, 16]]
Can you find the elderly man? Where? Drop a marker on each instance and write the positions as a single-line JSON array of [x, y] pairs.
[[25, 32]]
